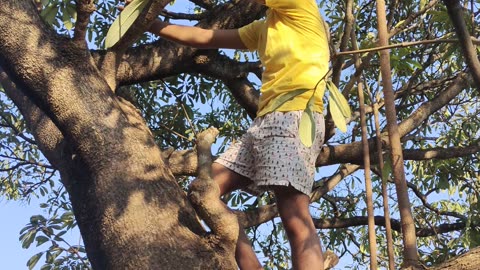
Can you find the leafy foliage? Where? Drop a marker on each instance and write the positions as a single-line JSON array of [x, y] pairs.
[[53, 230]]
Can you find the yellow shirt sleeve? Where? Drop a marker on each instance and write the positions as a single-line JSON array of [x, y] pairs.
[[249, 34], [281, 4]]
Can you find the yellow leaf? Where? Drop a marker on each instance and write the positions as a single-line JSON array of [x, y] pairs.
[[337, 116], [280, 100], [123, 22], [337, 98], [307, 126]]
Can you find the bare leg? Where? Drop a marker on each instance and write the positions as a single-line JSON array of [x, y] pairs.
[[228, 181], [304, 242]]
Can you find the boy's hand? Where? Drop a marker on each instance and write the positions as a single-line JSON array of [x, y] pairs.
[[121, 8]]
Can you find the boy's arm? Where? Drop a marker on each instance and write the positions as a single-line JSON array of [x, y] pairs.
[[198, 37]]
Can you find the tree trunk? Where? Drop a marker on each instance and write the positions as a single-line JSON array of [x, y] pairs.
[[467, 261], [130, 210]]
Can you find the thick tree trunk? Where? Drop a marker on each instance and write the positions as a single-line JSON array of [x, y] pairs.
[[467, 261], [130, 210]]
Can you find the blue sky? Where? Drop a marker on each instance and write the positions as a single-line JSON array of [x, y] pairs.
[[15, 215]]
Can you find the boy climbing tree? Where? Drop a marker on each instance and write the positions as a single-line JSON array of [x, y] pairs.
[[293, 47]]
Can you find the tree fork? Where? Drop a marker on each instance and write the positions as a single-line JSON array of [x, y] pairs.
[[204, 194]]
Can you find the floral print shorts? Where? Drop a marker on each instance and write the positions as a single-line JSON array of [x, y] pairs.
[[270, 153]]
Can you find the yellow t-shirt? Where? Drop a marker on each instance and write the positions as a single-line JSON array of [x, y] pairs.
[[293, 48]]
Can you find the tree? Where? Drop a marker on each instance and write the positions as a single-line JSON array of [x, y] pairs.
[[118, 127]]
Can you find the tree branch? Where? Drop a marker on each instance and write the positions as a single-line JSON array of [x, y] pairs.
[[407, 44], [148, 15], [84, 10], [183, 16], [423, 199], [164, 58], [323, 187], [46, 134], [184, 162], [111, 59], [233, 74], [411, 18], [338, 62], [466, 261], [441, 153], [268, 212], [351, 153], [455, 11], [338, 223], [429, 107], [204, 194], [206, 4]]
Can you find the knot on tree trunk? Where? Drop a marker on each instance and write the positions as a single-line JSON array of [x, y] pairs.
[[204, 194]]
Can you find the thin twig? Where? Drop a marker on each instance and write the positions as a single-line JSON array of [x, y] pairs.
[[192, 126], [84, 9], [405, 44]]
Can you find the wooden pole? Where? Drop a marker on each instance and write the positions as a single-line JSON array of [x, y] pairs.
[[410, 252]]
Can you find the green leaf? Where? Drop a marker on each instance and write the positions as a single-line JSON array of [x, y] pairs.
[[387, 168], [49, 13], [443, 183], [46, 267], [33, 260], [67, 21], [307, 125], [280, 100], [35, 219], [123, 22], [41, 239], [337, 115], [28, 238]]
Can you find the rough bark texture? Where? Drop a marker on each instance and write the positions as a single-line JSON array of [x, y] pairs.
[[467, 261], [125, 198], [204, 194]]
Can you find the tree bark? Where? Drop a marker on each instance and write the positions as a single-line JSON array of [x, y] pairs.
[[455, 12], [467, 261], [131, 212]]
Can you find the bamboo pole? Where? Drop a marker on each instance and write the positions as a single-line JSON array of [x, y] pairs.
[[372, 236], [410, 252], [386, 210]]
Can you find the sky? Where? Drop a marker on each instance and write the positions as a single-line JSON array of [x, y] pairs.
[[14, 216]]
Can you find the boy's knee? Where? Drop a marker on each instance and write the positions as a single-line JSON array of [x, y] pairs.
[[298, 228]]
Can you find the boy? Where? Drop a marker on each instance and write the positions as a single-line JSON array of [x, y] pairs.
[[293, 48]]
